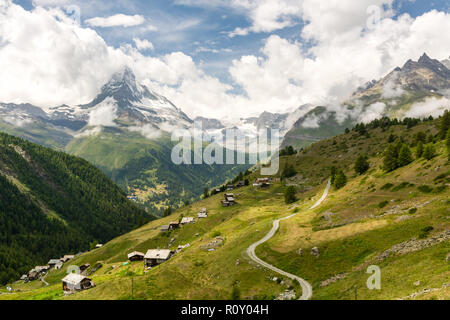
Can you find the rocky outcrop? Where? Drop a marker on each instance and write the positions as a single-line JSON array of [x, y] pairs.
[[414, 245], [334, 279]]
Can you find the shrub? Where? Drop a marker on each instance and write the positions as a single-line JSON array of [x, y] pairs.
[[216, 234], [425, 232], [412, 210], [340, 180], [387, 186], [236, 293], [425, 189], [440, 189], [402, 185], [383, 204]]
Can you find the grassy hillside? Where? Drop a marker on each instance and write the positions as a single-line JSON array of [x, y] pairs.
[[53, 204], [370, 221]]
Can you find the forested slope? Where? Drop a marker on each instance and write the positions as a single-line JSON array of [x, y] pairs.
[[52, 204]]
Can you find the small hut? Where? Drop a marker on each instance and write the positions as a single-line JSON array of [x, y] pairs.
[[136, 256], [76, 282], [156, 256], [84, 267], [67, 258], [187, 220], [55, 263], [174, 225]]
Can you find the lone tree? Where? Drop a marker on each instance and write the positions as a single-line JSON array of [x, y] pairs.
[[362, 165], [419, 150], [340, 180], [404, 156], [429, 152], [390, 158], [289, 195], [205, 193]]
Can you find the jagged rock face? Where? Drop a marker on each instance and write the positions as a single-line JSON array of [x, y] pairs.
[[427, 76], [129, 100], [136, 103], [446, 63]]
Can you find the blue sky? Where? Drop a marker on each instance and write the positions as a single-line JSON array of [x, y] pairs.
[[215, 57], [203, 28]]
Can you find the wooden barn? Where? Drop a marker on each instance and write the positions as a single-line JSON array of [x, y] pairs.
[[154, 257], [136, 256], [76, 282]]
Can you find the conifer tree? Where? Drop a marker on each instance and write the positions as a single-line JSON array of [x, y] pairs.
[[390, 158], [429, 152], [404, 156], [361, 165], [445, 125], [419, 150], [340, 180]]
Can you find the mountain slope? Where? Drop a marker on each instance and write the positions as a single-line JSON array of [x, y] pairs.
[[53, 204], [144, 168], [125, 131], [416, 84], [351, 230]]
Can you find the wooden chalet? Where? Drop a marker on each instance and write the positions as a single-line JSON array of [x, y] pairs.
[[174, 225], [155, 257], [76, 282], [136, 256], [187, 220]]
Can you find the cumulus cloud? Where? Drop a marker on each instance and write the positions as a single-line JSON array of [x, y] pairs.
[[147, 130], [117, 20], [392, 89], [48, 60], [371, 112], [104, 114], [143, 45], [89, 132], [430, 106]]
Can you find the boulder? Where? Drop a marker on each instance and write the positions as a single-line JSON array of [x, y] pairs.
[[315, 252]]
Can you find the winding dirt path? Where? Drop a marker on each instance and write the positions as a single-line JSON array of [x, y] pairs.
[[306, 287]]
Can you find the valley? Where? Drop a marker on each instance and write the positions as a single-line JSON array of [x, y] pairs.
[[397, 220]]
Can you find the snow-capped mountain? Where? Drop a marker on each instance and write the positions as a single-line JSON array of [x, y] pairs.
[[121, 100], [136, 103]]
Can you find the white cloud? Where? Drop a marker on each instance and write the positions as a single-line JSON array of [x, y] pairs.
[[392, 88], [143, 45], [104, 114], [47, 60], [147, 130], [431, 106], [117, 20], [371, 113]]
